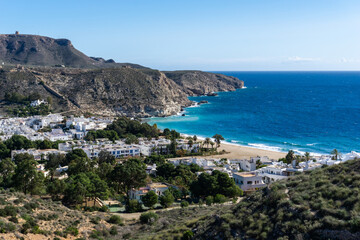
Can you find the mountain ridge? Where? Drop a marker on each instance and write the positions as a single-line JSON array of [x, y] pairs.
[[54, 67]]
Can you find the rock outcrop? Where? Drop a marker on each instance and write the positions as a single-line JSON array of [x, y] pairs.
[[54, 68]]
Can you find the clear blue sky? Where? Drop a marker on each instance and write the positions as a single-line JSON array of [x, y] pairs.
[[202, 34]]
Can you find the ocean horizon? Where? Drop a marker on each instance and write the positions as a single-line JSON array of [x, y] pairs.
[[304, 111]]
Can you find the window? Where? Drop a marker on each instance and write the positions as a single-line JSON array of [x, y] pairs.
[[249, 182]]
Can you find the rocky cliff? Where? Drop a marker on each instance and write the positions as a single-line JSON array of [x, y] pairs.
[[96, 85], [36, 50]]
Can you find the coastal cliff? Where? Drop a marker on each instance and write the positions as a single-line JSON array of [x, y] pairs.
[[75, 82]]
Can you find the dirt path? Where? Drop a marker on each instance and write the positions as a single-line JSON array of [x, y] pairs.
[[135, 216]]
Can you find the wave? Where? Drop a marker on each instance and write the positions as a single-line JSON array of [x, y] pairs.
[[265, 147]]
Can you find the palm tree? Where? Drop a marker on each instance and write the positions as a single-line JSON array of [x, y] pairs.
[[336, 153], [195, 138], [212, 145], [190, 143], [307, 156], [218, 139], [207, 142], [290, 156]]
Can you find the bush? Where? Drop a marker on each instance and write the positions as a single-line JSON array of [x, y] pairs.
[[133, 206], [209, 200], [30, 206], [8, 211], [150, 199], [113, 230], [115, 219], [167, 199], [149, 218], [72, 230], [14, 219], [104, 209], [219, 198], [184, 204], [187, 235], [95, 220]]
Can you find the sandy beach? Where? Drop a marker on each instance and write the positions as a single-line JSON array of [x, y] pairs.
[[241, 152], [237, 151]]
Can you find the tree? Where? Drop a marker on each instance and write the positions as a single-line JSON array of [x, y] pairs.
[[150, 199], [7, 170], [207, 142], [4, 151], [98, 187], [216, 183], [131, 139], [165, 170], [173, 146], [307, 156], [290, 156], [104, 170], [77, 189], [80, 165], [106, 157], [219, 198], [128, 175], [53, 162], [73, 155], [195, 138], [212, 145], [56, 188], [17, 142], [167, 199], [218, 139], [46, 144], [133, 206], [336, 154], [26, 178], [190, 143], [209, 200]]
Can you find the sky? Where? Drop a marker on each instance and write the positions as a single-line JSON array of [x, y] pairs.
[[223, 35]]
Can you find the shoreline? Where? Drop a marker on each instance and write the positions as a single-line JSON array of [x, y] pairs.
[[237, 151]]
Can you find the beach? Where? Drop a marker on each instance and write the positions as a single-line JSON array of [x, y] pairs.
[[241, 152]]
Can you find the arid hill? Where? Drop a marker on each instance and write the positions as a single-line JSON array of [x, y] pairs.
[[75, 82]]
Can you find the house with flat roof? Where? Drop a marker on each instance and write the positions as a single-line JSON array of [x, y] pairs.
[[248, 181], [158, 188]]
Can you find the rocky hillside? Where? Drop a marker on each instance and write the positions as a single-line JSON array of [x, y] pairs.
[[36, 50], [54, 68], [199, 83], [320, 204]]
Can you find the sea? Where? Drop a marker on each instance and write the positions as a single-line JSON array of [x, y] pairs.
[[303, 111]]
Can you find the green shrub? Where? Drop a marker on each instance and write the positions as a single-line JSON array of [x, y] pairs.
[[113, 230], [219, 198], [104, 209], [149, 218], [13, 219], [115, 219], [209, 200], [133, 206], [95, 220], [184, 204], [31, 206], [187, 235], [8, 211], [72, 230]]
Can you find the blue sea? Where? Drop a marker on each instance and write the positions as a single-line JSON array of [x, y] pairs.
[[302, 111]]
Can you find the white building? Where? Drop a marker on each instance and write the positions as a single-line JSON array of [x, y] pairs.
[[37, 103], [39, 154], [158, 188], [248, 181]]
